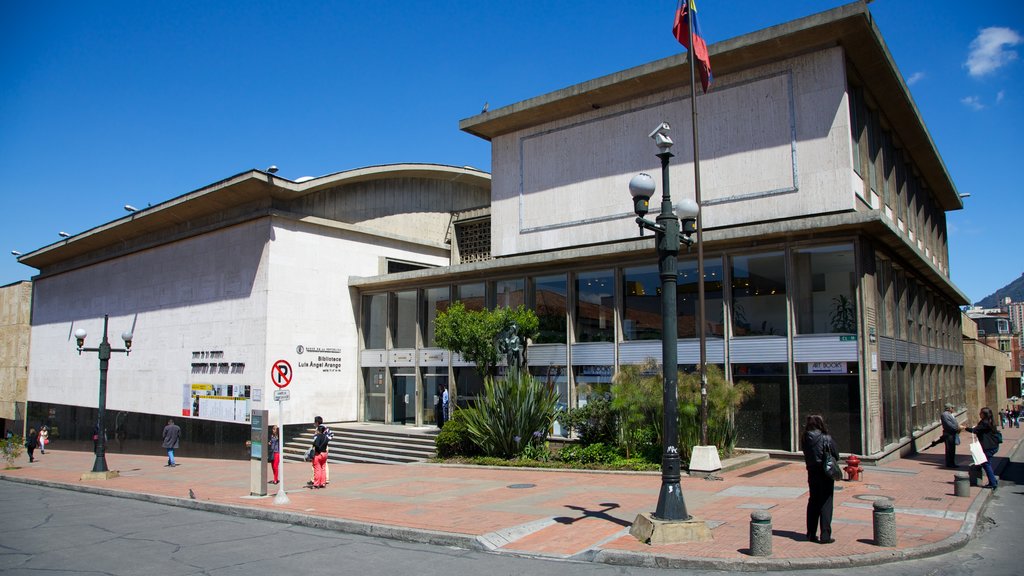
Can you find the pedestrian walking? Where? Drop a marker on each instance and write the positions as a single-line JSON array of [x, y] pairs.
[[44, 438], [30, 444], [172, 436], [990, 438], [320, 457], [274, 453], [817, 447]]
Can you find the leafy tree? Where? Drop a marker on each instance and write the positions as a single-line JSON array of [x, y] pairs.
[[637, 400], [475, 334], [11, 448]]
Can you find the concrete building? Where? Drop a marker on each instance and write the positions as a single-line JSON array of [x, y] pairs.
[[827, 272], [15, 313], [987, 370], [219, 284], [824, 203]]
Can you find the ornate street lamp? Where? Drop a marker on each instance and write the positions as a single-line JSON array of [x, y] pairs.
[[99, 467], [670, 232]]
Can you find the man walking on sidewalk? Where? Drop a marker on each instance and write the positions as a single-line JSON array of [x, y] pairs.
[[172, 434]]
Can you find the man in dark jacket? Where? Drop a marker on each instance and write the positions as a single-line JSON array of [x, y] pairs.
[[950, 432], [172, 435]]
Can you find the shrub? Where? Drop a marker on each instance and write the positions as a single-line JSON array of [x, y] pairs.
[[598, 453], [637, 401], [510, 412], [593, 423], [454, 439], [11, 448]]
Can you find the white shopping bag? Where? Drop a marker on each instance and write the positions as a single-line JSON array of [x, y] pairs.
[[977, 453]]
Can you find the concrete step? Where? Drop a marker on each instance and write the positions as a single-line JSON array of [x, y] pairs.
[[374, 444]]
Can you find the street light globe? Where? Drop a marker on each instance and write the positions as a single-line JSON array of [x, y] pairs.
[[687, 208], [80, 334], [127, 337], [641, 187]]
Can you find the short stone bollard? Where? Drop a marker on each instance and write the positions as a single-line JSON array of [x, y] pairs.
[[961, 484], [760, 533], [884, 520]]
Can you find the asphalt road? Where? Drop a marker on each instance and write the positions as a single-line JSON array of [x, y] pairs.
[[46, 531]]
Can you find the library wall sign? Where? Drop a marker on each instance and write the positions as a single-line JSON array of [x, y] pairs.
[[320, 358]]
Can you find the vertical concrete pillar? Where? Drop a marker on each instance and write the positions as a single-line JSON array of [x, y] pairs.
[[760, 533], [884, 520], [961, 484]]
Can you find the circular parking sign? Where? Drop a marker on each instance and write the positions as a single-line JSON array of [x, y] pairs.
[[281, 373]]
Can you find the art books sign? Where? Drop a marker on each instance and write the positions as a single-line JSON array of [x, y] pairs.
[[826, 367]]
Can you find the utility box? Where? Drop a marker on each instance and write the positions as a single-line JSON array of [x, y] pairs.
[[259, 442]]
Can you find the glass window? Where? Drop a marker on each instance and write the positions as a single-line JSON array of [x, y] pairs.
[[687, 301], [883, 284], [472, 296], [856, 104], [373, 394], [510, 293], [375, 321], [549, 301], [404, 320], [595, 306], [641, 294], [433, 377], [823, 277], [832, 389], [468, 386], [555, 378], [592, 381], [874, 146], [763, 421], [759, 295], [435, 301]]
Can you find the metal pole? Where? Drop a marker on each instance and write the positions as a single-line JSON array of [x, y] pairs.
[[100, 464], [671, 505], [701, 330], [282, 497]]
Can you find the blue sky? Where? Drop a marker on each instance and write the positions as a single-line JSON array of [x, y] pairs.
[[110, 103]]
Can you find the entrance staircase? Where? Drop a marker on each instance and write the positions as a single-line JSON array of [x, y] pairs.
[[368, 443]]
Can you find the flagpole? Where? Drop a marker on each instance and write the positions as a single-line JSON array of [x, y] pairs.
[[701, 334]]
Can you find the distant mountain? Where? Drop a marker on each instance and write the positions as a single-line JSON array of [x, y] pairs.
[[1015, 290]]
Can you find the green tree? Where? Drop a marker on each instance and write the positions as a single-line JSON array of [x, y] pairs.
[[11, 448], [475, 334]]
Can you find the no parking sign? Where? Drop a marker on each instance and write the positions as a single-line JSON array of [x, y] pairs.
[[281, 373]]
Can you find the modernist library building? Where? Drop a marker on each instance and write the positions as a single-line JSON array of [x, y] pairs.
[[827, 284]]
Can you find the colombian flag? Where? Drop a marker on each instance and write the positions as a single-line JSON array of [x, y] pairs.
[[686, 13]]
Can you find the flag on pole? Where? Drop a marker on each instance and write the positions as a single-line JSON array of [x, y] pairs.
[[686, 13]]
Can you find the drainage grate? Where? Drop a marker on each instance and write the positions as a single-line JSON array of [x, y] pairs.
[[763, 470], [520, 486], [932, 498]]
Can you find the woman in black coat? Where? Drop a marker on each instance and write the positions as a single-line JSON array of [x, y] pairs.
[[31, 444], [985, 431], [816, 443]]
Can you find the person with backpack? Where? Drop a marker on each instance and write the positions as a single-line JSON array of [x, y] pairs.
[[320, 457], [990, 438], [819, 449]]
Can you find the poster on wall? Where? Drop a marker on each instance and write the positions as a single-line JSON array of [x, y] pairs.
[[225, 402]]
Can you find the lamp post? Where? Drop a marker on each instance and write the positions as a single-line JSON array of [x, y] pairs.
[[669, 233], [103, 351]]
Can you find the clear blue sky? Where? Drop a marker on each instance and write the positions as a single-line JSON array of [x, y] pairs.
[[124, 102]]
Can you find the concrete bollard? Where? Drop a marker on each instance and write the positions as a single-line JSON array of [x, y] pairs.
[[760, 533], [961, 484], [884, 521]]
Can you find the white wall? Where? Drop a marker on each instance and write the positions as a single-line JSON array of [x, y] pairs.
[[311, 306], [774, 144], [206, 293]]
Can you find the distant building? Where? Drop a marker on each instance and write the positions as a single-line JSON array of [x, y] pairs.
[[15, 333]]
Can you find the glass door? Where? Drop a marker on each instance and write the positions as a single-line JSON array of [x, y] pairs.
[[373, 394], [403, 397], [430, 403]]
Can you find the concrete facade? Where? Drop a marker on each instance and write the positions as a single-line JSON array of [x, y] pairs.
[[15, 335], [985, 370], [213, 309]]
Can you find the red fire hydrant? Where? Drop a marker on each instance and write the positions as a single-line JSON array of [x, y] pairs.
[[853, 468]]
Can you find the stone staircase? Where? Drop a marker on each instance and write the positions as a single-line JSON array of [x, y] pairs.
[[368, 443]]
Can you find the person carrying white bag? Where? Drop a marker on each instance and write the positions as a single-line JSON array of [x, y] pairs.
[[987, 440]]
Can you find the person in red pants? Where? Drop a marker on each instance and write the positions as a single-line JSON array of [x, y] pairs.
[[320, 457], [274, 453]]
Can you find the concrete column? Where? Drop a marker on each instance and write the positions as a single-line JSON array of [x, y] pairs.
[[961, 484], [760, 533], [884, 520]]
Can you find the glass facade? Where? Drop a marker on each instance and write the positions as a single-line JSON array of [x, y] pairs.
[[752, 300], [595, 306], [759, 295]]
